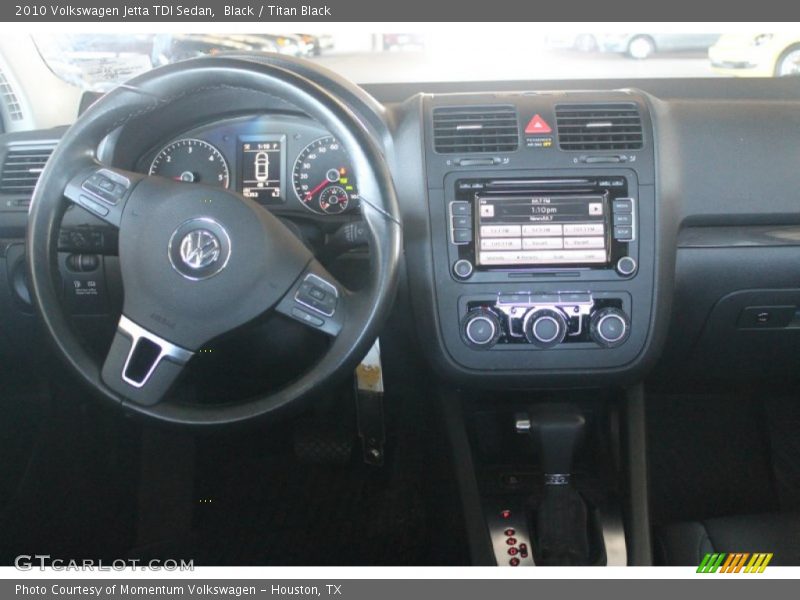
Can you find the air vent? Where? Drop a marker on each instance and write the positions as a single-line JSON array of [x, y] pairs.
[[467, 129], [22, 167], [599, 127], [9, 99]]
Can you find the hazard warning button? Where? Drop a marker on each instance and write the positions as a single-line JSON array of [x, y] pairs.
[[537, 125]]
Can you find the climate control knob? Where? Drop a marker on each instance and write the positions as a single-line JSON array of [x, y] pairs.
[[480, 328], [609, 327], [545, 327]]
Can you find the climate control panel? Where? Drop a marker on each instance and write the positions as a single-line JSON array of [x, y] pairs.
[[546, 320]]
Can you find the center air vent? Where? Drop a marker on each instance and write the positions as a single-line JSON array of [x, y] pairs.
[[467, 129], [599, 126], [22, 167]]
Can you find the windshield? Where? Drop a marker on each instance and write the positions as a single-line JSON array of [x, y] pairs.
[[98, 62]]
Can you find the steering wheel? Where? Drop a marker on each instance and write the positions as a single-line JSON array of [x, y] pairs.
[[198, 261]]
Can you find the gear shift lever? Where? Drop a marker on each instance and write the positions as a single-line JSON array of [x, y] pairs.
[[561, 517]]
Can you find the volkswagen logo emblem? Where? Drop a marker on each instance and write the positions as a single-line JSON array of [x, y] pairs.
[[199, 248]]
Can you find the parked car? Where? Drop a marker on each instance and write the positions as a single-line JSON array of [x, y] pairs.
[[758, 55], [644, 45], [319, 42]]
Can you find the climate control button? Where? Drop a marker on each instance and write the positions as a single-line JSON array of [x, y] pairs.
[[545, 327], [481, 328], [609, 327]]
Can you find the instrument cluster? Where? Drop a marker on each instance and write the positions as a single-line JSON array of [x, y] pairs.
[[283, 162]]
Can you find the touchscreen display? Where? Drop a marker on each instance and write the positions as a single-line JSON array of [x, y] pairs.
[[261, 170], [541, 230]]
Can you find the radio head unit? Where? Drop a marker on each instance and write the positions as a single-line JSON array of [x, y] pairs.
[[536, 230], [543, 225]]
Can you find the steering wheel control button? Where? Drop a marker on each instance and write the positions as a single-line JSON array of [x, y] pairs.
[[307, 317], [545, 327], [107, 185], [481, 328], [609, 327], [317, 294], [463, 269], [92, 205], [199, 248], [626, 266]]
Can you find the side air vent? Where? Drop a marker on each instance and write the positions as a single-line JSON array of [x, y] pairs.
[[599, 126], [467, 129], [9, 99], [22, 167]]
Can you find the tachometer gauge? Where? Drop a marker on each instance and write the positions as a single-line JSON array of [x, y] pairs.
[[322, 176], [191, 161]]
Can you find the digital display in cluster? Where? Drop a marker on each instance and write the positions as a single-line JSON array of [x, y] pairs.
[[261, 167]]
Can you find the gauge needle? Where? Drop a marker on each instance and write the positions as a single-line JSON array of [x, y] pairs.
[[311, 193]]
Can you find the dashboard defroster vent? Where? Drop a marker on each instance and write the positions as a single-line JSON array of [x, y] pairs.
[[9, 99], [614, 126], [468, 129], [21, 168]]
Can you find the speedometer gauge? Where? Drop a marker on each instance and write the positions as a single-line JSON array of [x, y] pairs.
[[191, 161], [323, 179]]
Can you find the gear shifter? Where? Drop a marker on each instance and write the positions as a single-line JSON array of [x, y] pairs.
[[561, 516]]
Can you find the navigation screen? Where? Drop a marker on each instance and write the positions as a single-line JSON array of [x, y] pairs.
[[261, 171], [541, 230]]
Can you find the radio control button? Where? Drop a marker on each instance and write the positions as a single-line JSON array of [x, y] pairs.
[[543, 243], [462, 269], [460, 208], [462, 222], [623, 219], [481, 328], [585, 229], [623, 233], [585, 242], [491, 231], [545, 327], [609, 327], [462, 236], [501, 244], [543, 230], [622, 205], [626, 266]]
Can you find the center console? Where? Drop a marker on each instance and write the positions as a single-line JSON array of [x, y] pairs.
[[543, 248]]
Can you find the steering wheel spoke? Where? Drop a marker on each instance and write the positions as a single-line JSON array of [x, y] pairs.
[[317, 300], [141, 365], [103, 191]]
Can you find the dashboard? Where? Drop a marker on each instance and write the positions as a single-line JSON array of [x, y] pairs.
[[537, 263], [285, 162]]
